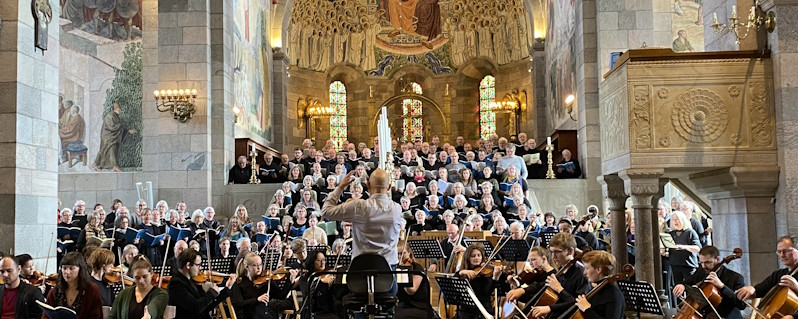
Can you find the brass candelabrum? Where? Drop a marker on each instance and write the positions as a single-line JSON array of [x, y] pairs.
[[741, 26], [550, 171], [178, 102], [253, 179]]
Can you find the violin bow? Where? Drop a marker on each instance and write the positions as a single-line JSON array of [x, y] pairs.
[[47, 261], [208, 252], [160, 277], [119, 251], [493, 253]]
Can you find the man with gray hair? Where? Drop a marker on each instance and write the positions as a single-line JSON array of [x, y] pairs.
[[210, 223], [512, 159]]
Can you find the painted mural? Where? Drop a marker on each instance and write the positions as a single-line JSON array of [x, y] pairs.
[[687, 25], [100, 85], [560, 59], [251, 74], [379, 35]]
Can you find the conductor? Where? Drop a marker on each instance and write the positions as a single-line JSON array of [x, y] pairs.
[[376, 221]]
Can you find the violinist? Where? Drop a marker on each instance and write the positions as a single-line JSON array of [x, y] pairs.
[[788, 255], [224, 247], [129, 254], [571, 283], [250, 299], [17, 298], [565, 226], [75, 290], [448, 245], [100, 262], [180, 246], [607, 303], [413, 296], [299, 248], [725, 280], [142, 300], [27, 272], [190, 301], [317, 290], [483, 278], [539, 261], [243, 246]]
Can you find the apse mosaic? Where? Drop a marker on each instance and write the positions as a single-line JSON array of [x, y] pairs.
[[379, 35]]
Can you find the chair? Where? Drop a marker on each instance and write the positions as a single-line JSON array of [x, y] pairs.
[[76, 149], [225, 307], [372, 291]]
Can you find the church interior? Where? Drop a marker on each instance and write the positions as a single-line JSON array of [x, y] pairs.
[[609, 114]]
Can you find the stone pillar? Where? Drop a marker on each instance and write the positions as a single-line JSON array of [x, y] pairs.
[[612, 187], [280, 74], [178, 155], [222, 126], [587, 97], [641, 185], [655, 230], [785, 91], [539, 92], [744, 216], [29, 134]]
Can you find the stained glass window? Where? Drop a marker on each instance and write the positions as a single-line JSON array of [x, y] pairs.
[[338, 120], [413, 124], [487, 95]]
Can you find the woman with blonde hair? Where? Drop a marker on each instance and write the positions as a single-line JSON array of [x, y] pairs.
[[684, 257]]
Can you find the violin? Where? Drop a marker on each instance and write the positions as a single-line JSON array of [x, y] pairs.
[[36, 278], [115, 277], [531, 275], [163, 283], [51, 280], [486, 270], [688, 310], [204, 277]]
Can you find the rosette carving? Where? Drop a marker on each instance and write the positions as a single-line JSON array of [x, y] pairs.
[[699, 116]]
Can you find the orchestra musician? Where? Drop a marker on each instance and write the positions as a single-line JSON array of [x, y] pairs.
[[448, 244], [251, 301], [413, 296], [128, 256], [100, 262], [607, 303], [317, 290], [190, 301], [725, 280], [788, 255], [75, 290], [539, 258], [17, 298], [571, 283], [483, 283], [142, 300]]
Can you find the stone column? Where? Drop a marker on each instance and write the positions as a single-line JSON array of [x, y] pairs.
[[222, 118], [587, 96], [744, 216], [29, 134], [280, 74], [612, 187], [641, 185], [539, 92]]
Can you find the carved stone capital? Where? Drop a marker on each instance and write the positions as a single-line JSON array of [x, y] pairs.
[[641, 185], [613, 189], [738, 182]]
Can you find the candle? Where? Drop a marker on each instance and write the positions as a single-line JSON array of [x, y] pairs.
[[715, 17], [253, 148], [548, 140], [734, 11], [155, 93]]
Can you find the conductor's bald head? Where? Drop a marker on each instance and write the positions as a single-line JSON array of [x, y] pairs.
[[378, 181]]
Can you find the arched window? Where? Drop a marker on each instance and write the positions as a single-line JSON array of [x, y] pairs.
[[412, 111], [338, 119], [487, 95]]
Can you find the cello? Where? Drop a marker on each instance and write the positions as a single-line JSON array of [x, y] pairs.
[[779, 301], [690, 307], [627, 272]]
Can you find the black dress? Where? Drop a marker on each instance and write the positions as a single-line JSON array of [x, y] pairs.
[[416, 305], [105, 292]]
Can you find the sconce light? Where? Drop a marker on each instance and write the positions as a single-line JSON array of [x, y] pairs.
[[756, 18], [570, 105], [179, 102], [236, 112]]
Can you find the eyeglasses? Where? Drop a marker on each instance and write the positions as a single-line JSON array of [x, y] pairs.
[[555, 252], [784, 251], [199, 264]]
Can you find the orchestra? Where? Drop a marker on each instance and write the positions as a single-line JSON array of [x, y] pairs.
[[290, 259]]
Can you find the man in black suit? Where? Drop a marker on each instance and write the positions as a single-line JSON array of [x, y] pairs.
[[23, 296], [270, 170], [788, 255], [724, 279], [190, 301]]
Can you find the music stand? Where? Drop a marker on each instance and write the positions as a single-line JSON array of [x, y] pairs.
[[488, 246], [116, 288], [291, 261], [455, 291], [545, 238], [167, 269], [640, 297], [343, 261], [222, 264], [271, 259], [427, 249], [515, 250], [312, 249]]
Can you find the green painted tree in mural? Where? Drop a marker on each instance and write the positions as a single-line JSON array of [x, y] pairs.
[[126, 90]]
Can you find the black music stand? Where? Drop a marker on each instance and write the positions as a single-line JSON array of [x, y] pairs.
[[223, 264], [312, 249], [455, 291], [545, 238], [291, 261], [167, 269], [116, 288], [487, 244], [271, 259], [640, 297], [427, 249], [515, 250]]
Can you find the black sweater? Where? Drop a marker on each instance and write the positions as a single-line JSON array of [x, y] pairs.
[[729, 306], [607, 303]]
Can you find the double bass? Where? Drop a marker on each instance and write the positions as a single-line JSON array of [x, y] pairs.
[[690, 307], [779, 301]]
